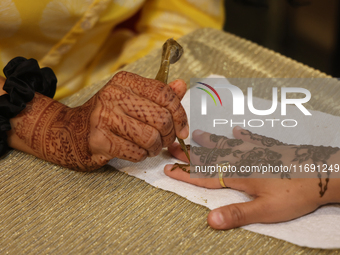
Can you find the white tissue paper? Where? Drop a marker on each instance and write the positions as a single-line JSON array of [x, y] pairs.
[[320, 229]]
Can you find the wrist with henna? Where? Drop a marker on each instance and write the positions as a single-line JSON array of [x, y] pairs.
[[55, 132]]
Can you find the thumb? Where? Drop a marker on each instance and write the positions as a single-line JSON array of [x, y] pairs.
[[237, 215], [179, 87]]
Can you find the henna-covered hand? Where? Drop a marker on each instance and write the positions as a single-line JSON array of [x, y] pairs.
[[275, 199], [130, 118]]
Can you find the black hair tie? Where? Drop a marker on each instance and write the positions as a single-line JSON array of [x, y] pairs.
[[24, 78]]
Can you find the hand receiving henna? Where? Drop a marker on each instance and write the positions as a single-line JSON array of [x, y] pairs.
[[130, 118], [275, 199]]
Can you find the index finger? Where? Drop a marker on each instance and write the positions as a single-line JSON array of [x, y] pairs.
[[159, 93]]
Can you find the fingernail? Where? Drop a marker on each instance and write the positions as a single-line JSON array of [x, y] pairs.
[[217, 218], [184, 133], [168, 167], [198, 132], [237, 128]]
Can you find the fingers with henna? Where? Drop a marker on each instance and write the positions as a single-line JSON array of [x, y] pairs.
[[214, 141], [159, 93], [107, 145], [258, 140], [137, 132], [179, 87], [177, 152], [151, 114], [179, 174]]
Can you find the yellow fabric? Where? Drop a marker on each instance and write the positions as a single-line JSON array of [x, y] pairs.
[[80, 40]]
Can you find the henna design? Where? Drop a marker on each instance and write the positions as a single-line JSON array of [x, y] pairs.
[[155, 91], [318, 154], [222, 141], [264, 156], [234, 142], [259, 156], [303, 153], [109, 121], [266, 141], [61, 135], [67, 138], [315, 153], [215, 138], [25, 128], [208, 156], [255, 157], [183, 167]]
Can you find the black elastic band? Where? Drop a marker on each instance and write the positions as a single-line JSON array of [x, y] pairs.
[[24, 78]]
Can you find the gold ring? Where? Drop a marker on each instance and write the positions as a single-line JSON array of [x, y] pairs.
[[220, 173]]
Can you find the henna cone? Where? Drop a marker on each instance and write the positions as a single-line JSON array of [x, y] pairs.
[[171, 53]]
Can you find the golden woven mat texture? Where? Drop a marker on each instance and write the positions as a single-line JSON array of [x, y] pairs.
[[47, 209]]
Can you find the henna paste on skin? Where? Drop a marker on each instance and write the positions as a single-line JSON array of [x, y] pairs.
[[257, 157], [318, 155], [183, 167], [264, 156], [266, 141], [224, 142], [209, 156], [60, 135]]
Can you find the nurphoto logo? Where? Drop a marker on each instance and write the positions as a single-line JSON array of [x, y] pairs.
[[238, 100]]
